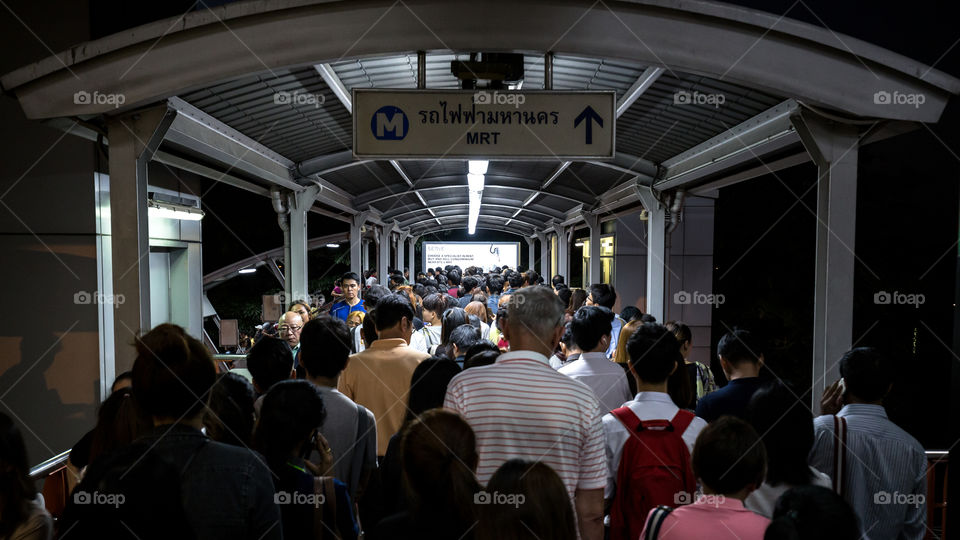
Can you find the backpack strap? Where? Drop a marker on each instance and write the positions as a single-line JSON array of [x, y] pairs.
[[655, 521], [681, 421], [839, 452], [628, 418]]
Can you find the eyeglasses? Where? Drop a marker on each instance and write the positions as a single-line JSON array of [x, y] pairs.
[[289, 329]]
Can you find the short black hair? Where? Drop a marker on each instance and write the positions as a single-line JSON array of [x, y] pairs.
[[269, 362], [495, 284], [173, 373], [740, 346], [867, 373], [464, 337], [812, 512], [589, 325], [453, 276], [452, 318], [373, 295], [230, 412], [391, 309], [654, 352], [481, 347], [603, 295], [470, 283], [396, 279], [786, 426], [531, 277], [630, 313], [557, 280], [325, 345], [125, 376], [351, 275], [515, 279], [435, 303], [729, 455], [428, 385], [291, 410]]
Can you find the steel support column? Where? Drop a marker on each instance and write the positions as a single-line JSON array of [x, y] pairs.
[[656, 252], [563, 245], [300, 203], [593, 223], [412, 262], [358, 246], [133, 140], [531, 254], [365, 252], [834, 148], [545, 256], [383, 262], [402, 250]]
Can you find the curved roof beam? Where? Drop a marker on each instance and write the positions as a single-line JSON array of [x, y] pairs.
[[424, 225], [157, 60], [445, 182], [480, 226], [485, 204]]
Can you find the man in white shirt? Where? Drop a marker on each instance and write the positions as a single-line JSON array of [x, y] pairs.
[[522, 408], [590, 329], [654, 354]]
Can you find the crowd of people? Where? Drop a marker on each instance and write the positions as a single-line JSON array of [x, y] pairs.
[[473, 404]]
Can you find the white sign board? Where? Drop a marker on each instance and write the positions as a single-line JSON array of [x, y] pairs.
[[486, 255], [494, 124]]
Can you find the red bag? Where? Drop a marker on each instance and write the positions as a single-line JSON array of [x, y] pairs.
[[655, 469]]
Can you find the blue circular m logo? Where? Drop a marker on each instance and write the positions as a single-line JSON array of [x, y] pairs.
[[389, 123]]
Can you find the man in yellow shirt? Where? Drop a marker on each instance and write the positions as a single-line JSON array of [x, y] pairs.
[[379, 377]]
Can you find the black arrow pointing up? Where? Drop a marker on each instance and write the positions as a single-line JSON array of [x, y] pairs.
[[590, 116]]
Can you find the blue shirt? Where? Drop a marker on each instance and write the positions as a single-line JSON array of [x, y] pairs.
[[885, 478], [732, 399], [342, 309], [493, 302]]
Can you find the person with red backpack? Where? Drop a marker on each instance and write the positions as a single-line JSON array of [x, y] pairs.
[[649, 440]]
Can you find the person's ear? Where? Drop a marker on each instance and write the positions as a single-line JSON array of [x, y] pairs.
[[725, 365], [760, 361], [673, 370], [293, 373]]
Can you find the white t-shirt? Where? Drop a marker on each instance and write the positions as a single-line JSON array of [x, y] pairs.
[[425, 338], [764, 498]]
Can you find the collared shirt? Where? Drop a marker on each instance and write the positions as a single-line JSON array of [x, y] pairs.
[[379, 379], [520, 407], [764, 499], [732, 399], [647, 406], [607, 379], [615, 326], [352, 452], [885, 471], [342, 309], [426, 337], [712, 516]]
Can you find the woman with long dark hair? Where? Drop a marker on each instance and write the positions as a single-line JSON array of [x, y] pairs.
[[22, 516]]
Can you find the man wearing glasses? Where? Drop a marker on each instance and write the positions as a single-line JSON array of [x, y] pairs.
[[350, 284], [290, 325]]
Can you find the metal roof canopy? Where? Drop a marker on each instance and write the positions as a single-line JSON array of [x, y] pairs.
[[230, 126]]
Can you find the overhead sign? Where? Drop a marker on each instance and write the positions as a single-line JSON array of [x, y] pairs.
[[494, 124], [486, 255]]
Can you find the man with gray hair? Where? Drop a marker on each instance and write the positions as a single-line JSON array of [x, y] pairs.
[[520, 407]]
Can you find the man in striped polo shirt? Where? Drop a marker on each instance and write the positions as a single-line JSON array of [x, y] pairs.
[[520, 407]]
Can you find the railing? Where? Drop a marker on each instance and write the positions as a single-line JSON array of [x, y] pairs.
[[50, 465], [226, 362]]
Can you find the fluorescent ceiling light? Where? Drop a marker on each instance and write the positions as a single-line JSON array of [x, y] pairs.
[[474, 211], [578, 244], [478, 166], [168, 210], [333, 245], [475, 182], [247, 270]]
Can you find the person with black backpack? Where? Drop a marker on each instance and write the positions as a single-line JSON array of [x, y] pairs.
[[649, 440]]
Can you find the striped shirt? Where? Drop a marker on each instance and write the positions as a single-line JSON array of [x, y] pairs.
[[520, 407], [885, 471]]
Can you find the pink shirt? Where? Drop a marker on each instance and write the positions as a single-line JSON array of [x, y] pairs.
[[715, 517]]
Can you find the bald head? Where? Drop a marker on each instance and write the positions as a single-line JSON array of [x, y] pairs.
[[290, 325]]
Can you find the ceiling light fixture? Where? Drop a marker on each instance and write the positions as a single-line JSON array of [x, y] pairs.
[[249, 270]]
